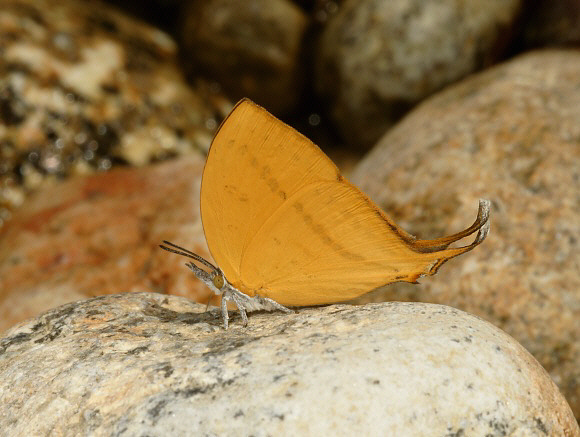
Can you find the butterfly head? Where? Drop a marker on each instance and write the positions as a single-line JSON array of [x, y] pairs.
[[214, 279], [218, 279]]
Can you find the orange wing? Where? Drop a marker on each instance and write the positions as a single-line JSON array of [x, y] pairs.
[[282, 222]]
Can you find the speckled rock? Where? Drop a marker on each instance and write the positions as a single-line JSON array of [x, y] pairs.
[[378, 58], [99, 234], [253, 48], [512, 135], [147, 364], [83, 87]]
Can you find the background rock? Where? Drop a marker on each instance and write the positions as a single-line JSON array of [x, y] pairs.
[[152, 364], [512, 135], [99, 234], [548, 23], [252, 48], [84, 87], [377, 59]]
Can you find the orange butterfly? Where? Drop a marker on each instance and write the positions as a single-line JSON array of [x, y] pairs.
[[286, 228]]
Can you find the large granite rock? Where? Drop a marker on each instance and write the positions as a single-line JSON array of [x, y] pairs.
[[510, 134], [147, 364]]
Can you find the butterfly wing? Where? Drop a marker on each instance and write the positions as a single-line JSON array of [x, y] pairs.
[[255, 163], [282, 222]]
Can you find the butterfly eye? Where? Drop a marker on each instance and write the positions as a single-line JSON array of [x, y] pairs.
[[218, 281]]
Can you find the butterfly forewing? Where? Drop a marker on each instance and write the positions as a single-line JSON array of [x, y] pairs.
[[254, 164]]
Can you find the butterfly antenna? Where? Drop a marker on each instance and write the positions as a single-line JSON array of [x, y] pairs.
[[174, 248]]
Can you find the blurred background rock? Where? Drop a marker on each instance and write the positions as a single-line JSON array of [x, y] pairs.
[[91, 96]]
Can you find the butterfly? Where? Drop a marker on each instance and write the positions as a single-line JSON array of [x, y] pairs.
[[287, 229]]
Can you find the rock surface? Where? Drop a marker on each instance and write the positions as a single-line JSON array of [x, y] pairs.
[[510, 134], [377, 59], [140, 363], [99, 234]]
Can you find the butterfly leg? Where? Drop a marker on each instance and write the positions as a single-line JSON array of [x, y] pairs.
[[240, 304], [266, 301], [225, 316]]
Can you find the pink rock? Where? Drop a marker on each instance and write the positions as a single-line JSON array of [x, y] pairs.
[[99, 234]]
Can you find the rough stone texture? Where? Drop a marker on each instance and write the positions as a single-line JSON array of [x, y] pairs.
[[147, 364], [253, 48], [378, 58], [82, 88], [99, 234], [512, 135]]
